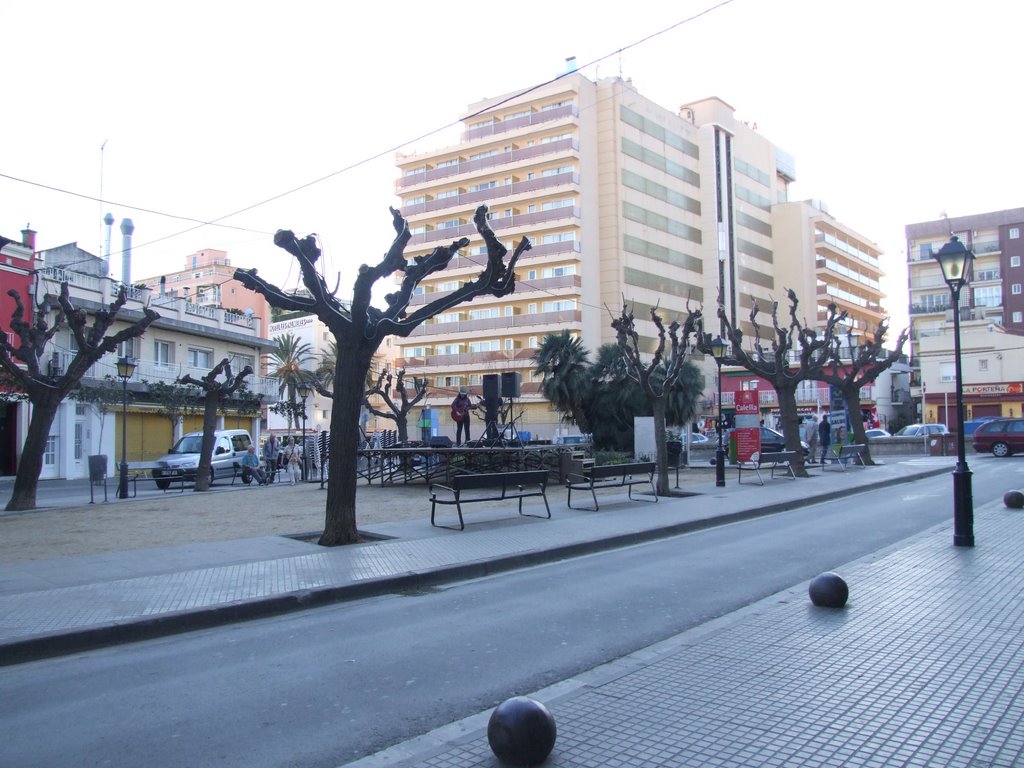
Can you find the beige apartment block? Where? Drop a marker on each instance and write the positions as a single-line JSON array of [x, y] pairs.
[[846, 267], [621, 198]]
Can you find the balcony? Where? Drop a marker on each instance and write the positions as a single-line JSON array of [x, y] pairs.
[[478, 260], [483, 163], [929, 309], [468, 359], [517, 123], [151, 370], [498, 224], [521, 322], [541, 284], [500, 191]]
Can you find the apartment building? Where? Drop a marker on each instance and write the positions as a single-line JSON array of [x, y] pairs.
[[845, 266], [17, 265], [620, 198], [992, 302], [207, 280], [186, 339]]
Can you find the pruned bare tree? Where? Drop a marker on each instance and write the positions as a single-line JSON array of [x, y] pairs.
[[657, 374], [795, 354], [389, 385], [855, 365], [216, 392], [46, 386], [361, 328]]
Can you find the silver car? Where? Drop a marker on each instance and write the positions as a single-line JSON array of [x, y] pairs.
[[229, 446]]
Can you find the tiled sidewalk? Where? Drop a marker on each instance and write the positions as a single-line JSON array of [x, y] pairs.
[[924, 667]]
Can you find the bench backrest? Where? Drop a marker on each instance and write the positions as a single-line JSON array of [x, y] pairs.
[[499, 479], [770, 456], [617, 470]]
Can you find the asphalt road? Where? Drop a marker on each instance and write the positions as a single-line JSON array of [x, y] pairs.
[[324, 687]]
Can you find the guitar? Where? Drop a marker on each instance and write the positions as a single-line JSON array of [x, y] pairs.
[[458, 414]]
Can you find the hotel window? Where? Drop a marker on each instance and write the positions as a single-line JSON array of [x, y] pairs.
[[557, 105], [482, 155], [447, 193], [450, 224], [559, 306], [559, 237], [200, 358], [491, 345], [447, 163], [983, 364], [162, 353], [1014, 233], [483, 314], [991, 296], [1015, 289], [1018, 317], [482, 186], [533, 342], [510, 344], [1015, 261], [531, 275], [551, 205], [557, 171], [449, 349], [452, 285], [447, 317]]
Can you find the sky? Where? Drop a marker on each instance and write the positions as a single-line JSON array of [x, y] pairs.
[[213, 124]]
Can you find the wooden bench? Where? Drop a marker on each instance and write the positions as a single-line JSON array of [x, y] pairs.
[[490, 486], [613, 476], [772, 460], [848, 454]]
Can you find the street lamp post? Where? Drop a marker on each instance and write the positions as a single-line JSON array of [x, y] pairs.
[[125, 369], [955, 261], [718, 349], [304, 393]]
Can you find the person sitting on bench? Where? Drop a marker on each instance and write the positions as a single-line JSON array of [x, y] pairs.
[[251, 465]]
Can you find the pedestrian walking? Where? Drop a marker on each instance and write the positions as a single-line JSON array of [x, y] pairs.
[[271, 450], [811, 437], [292, 459], [824, 436]]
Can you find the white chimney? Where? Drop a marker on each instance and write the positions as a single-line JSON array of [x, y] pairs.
[[126, 250]]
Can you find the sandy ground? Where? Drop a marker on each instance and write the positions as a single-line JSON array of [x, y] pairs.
[[231, 512]]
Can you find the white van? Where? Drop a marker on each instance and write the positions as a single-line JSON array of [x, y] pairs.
[[229, 446]]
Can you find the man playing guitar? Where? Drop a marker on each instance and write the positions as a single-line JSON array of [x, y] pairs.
[[461, 406]]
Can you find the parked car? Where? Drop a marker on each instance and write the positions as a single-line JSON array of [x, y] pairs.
[[876, 432], [971, 425], [696, 438], [229, 446], [920, 430], [1003, 437]]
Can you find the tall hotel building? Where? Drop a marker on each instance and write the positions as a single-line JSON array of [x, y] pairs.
[[621, 198]]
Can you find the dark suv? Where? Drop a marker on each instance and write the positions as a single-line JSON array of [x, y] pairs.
[[1001, 436]]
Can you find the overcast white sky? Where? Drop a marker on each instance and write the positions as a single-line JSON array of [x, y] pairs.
[[895, 111]]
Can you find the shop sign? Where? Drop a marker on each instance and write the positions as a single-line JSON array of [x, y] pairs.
[[1013, 388]]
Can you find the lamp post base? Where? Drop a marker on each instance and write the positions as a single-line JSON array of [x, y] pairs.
[[122, 480], [963, 507], [720, 467]]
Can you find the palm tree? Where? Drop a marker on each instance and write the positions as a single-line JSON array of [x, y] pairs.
[[563, 362], [287, 363], [328, 362]]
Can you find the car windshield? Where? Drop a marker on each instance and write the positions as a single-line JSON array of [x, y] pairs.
[[189, 444], [913, 429]]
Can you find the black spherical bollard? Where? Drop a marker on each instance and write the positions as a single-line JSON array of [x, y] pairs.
[[521, 731], [1014, 499], [828, 590]]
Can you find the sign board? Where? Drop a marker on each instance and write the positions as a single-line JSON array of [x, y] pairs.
[[746, 402], [837, 419], [748, 442]]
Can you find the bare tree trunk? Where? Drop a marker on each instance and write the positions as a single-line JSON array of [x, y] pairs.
[[27, 480], [791, 426], [206, 454], [851, 397], [661, 444], [349, 382]]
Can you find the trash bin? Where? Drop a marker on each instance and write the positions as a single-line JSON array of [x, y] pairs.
[[936, 446], [949, 445]]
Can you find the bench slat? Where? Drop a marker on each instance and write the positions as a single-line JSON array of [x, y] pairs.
[[513, 485]]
